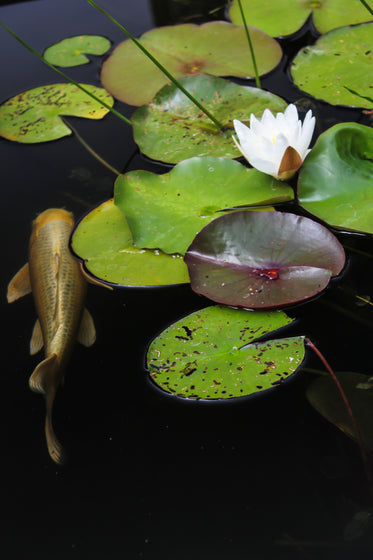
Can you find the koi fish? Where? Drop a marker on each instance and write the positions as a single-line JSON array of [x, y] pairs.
[[58, 286]]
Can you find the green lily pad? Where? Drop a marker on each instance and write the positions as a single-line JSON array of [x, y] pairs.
[[281, 17], [166, 211], [34, 115], [214, 354], [327, 400], [339, 64], [70, 51], [171, 128], [102, 239], [336, 179], [217, 48]]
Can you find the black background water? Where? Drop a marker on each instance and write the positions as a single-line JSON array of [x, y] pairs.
[[147, 476]]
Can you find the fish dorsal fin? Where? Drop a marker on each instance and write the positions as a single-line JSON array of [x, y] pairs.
[[19, 285], [36, 342], [43, 375], [87, 331]]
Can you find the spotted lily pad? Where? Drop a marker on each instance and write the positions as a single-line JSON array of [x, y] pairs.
[[217, 48], [336, 179], [215, 354], [327, 400], [281, 17], [71, 51], [171, 128], [34, 115], [102, 239], [263, 259], [339, 64], [166, 211]]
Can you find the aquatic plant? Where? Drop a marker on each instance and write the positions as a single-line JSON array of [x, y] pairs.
[[138, 238], [276, 145]]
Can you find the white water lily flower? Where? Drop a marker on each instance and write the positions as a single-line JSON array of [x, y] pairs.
[[276, 145]]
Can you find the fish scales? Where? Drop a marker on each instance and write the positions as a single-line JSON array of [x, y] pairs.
[[58, 287]]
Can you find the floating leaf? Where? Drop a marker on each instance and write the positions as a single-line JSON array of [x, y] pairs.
[[217, 48], [70, 51], [102, 239], [280, 17], [336, 180], [326, 399], [263, 259], [34, 115], [166, 211], [213, 354], [339, 64], [171, 128]]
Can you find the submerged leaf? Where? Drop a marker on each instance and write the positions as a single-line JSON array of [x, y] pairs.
[[263, 259], [337, 65], [326, 399], [280, 17], [70, 51], [336, 180], [214, 354], [166, 211], [102, 239], [34, 115], [217, 48], [171, 128]]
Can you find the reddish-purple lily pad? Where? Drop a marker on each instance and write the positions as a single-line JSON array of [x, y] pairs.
[[263, 259]]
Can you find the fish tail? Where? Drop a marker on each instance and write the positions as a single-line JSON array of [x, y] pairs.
[[43, 380], [55, 449]]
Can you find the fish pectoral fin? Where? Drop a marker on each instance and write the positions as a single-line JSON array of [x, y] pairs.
[[43, 373], [19, 285], [36, 342], [87, 331]]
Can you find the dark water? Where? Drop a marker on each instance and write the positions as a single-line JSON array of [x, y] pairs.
[[147, 476]]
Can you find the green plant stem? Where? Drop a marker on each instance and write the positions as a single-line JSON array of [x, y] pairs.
[[366, 5], [257, 80], [82, 88], [347, 405], [218, 124], [91, 150]]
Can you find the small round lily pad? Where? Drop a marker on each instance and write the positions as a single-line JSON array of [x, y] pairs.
[[34, 115], [72, 51]]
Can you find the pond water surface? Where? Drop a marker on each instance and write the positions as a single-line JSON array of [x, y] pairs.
[[149, 476]]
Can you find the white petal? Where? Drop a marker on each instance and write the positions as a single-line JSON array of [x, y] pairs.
[[306, 135], [265, 166], [247, 139], [291, 115], [255, 125]]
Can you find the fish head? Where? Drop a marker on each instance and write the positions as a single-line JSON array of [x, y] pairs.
[[51, 215]]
